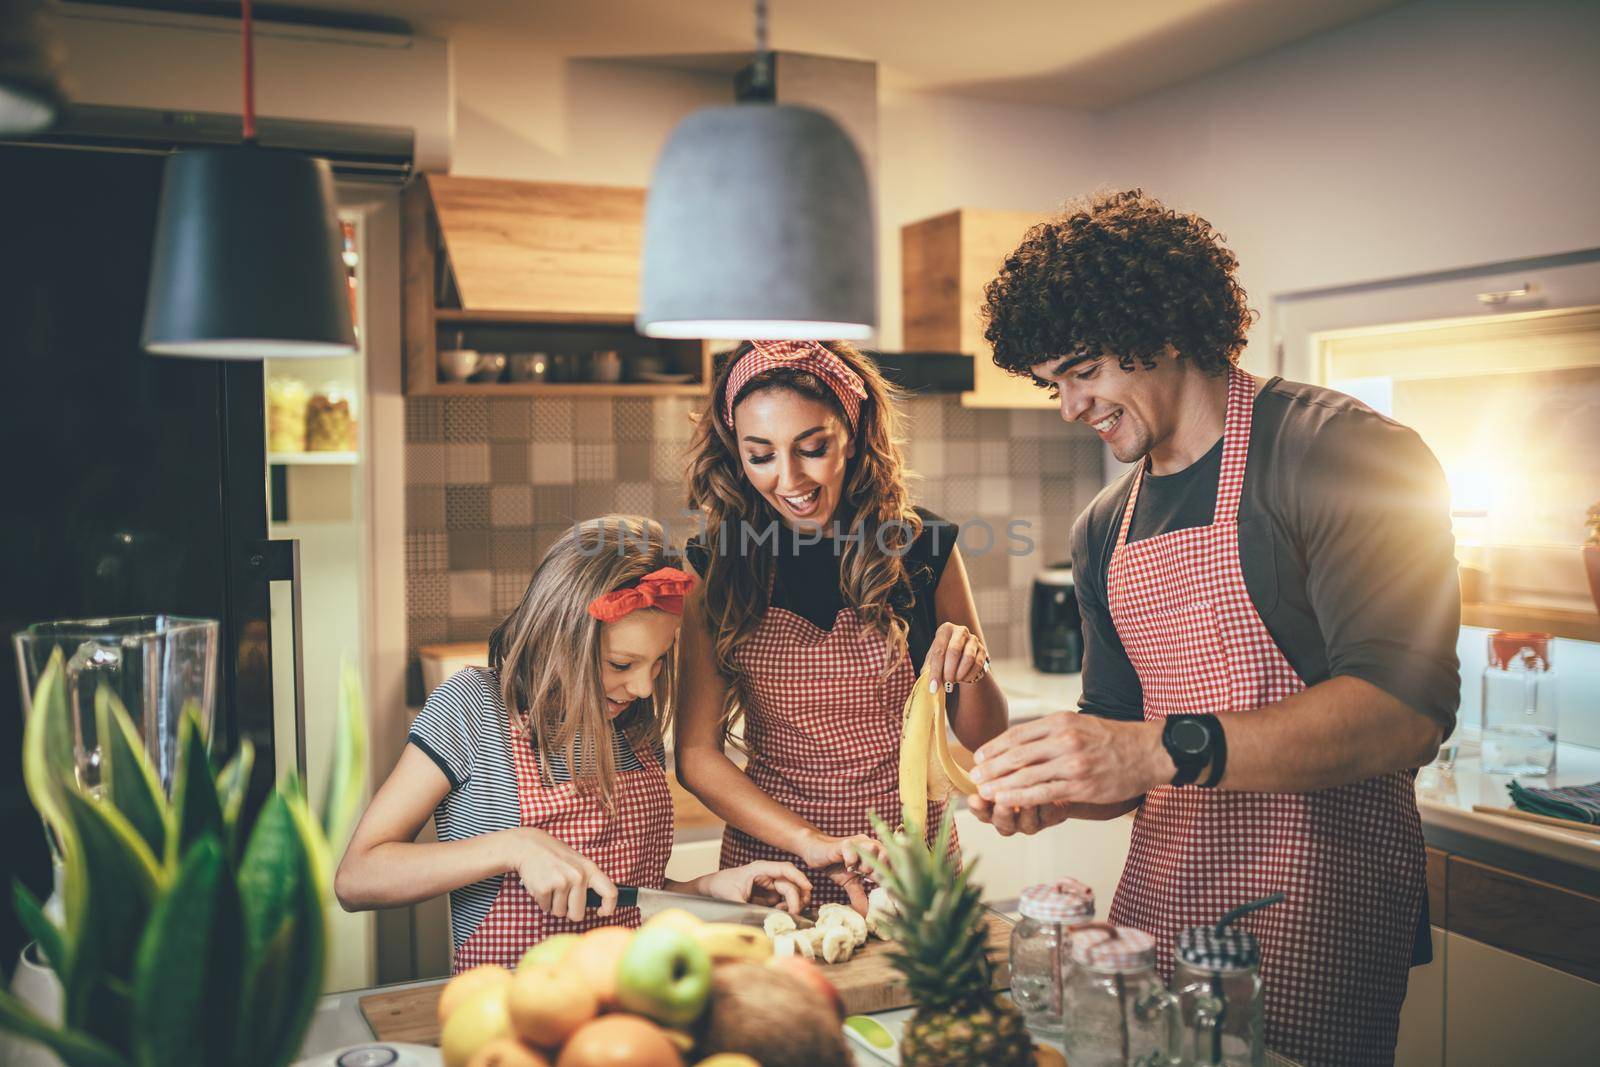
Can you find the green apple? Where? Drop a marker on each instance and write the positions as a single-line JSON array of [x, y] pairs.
[[664, 975], [547, 953]]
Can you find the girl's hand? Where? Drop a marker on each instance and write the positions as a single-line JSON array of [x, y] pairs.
[[556, 877], [844, 860], [769, 882], [956, 655]]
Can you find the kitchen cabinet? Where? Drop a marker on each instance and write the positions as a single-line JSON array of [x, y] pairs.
[[945, 262], [510, 267], [1503, 1008]]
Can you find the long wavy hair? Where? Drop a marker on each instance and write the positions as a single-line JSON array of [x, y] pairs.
[[547, 652], [874, 508]]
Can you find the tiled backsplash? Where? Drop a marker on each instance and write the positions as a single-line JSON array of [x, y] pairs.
[[491, 483]]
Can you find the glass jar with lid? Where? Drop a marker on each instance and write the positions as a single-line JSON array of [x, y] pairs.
[[1117, 1012], [331, 420], [1217, 980], [1519, 705], [1040, 956]]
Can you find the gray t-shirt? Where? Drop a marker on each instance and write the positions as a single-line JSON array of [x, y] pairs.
[[464, 729], [1345, 544]]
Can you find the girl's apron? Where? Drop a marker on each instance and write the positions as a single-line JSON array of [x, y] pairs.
[[1336, 952], [822, 728], [631, 845]]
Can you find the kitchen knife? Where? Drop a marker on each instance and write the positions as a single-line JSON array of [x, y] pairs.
[[708, 908]]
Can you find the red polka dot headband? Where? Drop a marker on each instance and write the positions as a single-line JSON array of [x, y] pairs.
[[663, 589], [798, 355]]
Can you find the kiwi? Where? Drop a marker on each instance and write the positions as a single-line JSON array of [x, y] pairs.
[[772, 1017]]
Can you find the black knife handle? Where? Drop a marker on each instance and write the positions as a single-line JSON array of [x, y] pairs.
[[627, 897]]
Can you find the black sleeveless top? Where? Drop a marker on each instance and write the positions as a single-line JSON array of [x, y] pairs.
[[807, 578]]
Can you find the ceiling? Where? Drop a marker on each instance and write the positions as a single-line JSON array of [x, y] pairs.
[[1087, 54]]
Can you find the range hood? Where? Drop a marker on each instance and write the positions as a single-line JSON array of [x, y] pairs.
[[926, 373]]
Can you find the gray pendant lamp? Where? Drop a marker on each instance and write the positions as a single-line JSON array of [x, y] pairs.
[[30, 86], [759, 223], [247, 254]]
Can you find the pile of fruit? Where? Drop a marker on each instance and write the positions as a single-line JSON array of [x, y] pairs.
[[676, 991]]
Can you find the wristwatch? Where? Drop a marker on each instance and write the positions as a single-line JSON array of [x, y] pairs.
[[1192, 741]]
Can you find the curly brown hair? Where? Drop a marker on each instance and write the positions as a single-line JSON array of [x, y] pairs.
[[875, 507], [1119, 274]]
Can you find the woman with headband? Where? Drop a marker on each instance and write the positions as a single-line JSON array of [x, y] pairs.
[[824, 595]]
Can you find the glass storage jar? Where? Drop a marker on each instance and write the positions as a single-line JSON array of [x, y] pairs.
[[331, 421], [1217, 980], [286, 414], [1040, 956], [1519, 705], [1117, 1012]]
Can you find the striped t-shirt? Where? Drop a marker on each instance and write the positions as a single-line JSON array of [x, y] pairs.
[[464, 729]]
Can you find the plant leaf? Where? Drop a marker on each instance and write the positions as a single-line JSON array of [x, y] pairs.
[[348, 776], [131, 783], [234, 782], [117, 878], [74, 1049], [179, 980], [40, 928], [285, 930], [196, 810], [49, 765]]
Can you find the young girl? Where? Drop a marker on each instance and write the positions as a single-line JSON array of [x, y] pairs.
[[565, 792]]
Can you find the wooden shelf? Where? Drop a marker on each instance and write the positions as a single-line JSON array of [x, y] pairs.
[[529, 267], [1577, 625], [634, 389], [480, 316], [313, 459]]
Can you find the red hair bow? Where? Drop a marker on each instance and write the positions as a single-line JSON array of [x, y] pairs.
[[663, 589]]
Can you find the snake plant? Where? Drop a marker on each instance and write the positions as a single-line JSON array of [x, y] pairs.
[[188, 936]]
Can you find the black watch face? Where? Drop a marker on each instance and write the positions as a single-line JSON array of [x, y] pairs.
[[1189, 736]]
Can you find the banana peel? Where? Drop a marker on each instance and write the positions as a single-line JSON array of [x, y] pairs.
[[733, 942], [928, 771]]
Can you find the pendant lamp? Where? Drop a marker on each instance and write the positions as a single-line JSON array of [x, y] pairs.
[[759, 223], [30, 90], [247, 258]]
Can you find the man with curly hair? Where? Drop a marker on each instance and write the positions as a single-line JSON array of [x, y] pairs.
[[1270, 606]]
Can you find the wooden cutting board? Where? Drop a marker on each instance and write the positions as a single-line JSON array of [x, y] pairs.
[[867, 983]]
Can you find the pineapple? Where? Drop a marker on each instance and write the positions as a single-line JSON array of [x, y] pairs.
[[940, 945]]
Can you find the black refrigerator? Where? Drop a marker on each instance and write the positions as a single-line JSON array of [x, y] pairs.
[[133, 484]]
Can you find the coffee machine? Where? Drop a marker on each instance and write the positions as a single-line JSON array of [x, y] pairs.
[[1055, 629]]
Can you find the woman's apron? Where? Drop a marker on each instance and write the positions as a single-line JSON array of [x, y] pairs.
[[822, 729], [631, 845], [1336, 952]]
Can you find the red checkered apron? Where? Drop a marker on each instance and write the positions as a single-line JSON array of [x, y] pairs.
[[1336, 952], [822, 728], [630, 845]]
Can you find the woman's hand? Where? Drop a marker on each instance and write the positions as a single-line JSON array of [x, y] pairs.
[[844, 860], [556, 877], [956, 655], [772, 883]]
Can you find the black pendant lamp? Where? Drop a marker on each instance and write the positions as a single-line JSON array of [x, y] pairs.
[[247, 254], [30, 83]]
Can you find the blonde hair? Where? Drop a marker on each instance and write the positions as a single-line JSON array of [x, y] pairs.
[[875, 508], [547, 652]]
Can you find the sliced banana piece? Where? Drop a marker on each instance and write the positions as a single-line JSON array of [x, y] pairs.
[[846, 917], [779, 922], [837, 944]]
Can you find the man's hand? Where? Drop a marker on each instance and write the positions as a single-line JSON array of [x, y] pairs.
[[1009, 820], [1067, 758]]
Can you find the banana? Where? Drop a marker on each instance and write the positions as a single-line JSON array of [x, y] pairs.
[[731, 942], [927, 768]]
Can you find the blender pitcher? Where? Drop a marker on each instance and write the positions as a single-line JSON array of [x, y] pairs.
[[155, 664]]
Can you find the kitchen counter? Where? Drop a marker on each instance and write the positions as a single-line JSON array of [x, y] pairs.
[[338, 1023], [1567, 857]]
